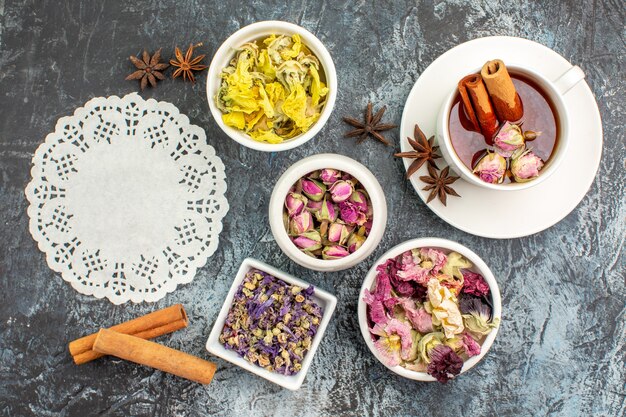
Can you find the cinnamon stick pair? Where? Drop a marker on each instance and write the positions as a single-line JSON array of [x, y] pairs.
[[151, 325], [126, 341], [490, 98]]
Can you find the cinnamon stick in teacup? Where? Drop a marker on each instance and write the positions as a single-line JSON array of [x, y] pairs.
[[151, 325], [145, 352], [505, 99], [477, 105]]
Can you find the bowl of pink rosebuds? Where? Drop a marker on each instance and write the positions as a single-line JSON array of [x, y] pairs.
[[429, 309], [327, 212]]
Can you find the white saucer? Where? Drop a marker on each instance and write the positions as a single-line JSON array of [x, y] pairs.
[[489, 213]]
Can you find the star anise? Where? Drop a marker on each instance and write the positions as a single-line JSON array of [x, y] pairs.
[[423, 152], [371, 126], [149, 69], [439, 184], [187, 64]]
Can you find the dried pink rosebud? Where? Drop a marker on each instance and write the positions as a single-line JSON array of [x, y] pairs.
[[301, 223], [526, 166], [351, 214], [355, 242], [308, 241], [313, 206], [295, 203], [329, 176], [491, 168], [327, 212], [341, 191], [359, 199], [338, 233], [313, 189], [509, 139], [334, 252]]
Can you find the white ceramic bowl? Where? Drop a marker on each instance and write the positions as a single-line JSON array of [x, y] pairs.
[[554, 89], [342, 163], [325, 300], [448, 245], [253, 32]]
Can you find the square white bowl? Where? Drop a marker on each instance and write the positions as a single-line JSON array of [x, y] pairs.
[[325, 300]]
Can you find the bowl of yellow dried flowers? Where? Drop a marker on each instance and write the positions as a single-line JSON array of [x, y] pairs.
[[272, 86], [429, 309]]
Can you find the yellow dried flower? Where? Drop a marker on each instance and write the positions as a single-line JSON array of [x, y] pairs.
[[272, 92], [445, 309]]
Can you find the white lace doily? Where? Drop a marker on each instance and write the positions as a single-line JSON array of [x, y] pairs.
[[127, 198]]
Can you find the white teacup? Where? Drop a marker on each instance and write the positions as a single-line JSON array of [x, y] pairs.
[[555, 90]]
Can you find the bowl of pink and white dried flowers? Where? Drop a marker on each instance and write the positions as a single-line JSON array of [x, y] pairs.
[[327, 212], [429, 309]]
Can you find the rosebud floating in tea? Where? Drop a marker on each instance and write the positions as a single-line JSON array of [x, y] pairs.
[[429, 312], [526, 166], [328, 214], [491, 168], [509, 139]]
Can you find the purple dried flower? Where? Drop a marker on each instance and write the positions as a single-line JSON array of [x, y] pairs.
[[474, 283], [444, 364], [403, 288], [469, 304], [477, 315], [271, 323]]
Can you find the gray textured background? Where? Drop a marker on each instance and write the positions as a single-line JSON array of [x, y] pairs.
[[560, 350]]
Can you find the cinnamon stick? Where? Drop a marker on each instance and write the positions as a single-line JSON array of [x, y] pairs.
[[145, 352], [477, 106], [151, 325], [505, 99]]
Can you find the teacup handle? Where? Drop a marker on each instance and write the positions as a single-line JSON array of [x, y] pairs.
[[569, 79]]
